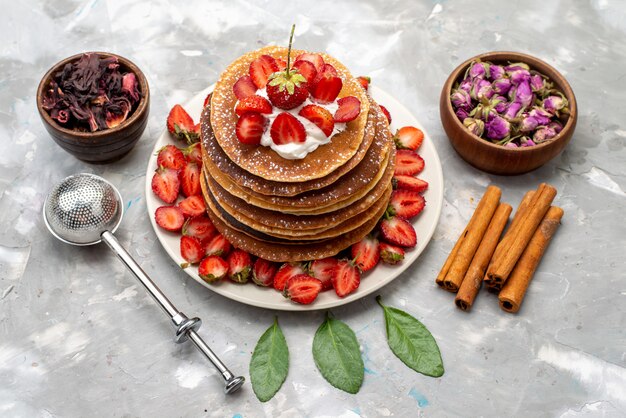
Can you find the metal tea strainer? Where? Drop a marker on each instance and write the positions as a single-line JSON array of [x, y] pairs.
[[85, 209]]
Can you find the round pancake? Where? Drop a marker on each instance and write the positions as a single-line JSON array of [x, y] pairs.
[[268, 220], [211, 150], [250, 227], [291, 253], [334, 197], [265, 162]]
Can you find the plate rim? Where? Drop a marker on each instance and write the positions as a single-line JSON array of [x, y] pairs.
[[391, 272]]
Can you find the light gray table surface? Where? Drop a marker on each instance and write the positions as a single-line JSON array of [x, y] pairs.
[[79, 337]]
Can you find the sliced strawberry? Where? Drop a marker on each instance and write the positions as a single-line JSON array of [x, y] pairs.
[[409, 137], [261, 69], [327, 88], [200, 227], [284, 273], [250, 128], [349, 109], [218, 245], [239, 266], [323, 270], [282, 64], [364, 81], [302, 289], [190, 179], [287, 129], [253, 103], [171, 156], [390, 254], [192, 206], [307, 69], [406, 203], [398, 231], [263, 272], [169, 218], [365, 253], [409, 183], [178, 120], [326, 71], [386, 113], [207, 99], [193, 153], [320, 117], [165, 184], [346, 278], [244, 87], [181, 125], [212, 268], [191, 250], [315, 59], [408, 162]]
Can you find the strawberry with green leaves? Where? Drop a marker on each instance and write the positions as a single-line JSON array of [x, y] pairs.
[[239, 266], [181, 125], [212, 269], [288, 88], [302, 289]]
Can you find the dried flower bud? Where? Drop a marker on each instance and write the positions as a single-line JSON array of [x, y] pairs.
[[523, 94], [466, 85], [496, 71], [499, 103], [542, 117], [536, 82], [475, 126], [556, 125], [501, 85], [481, 89], [479, 70], [543, 133], [511, 145], [516, 66], [519, 76], [526, 142], [528, 123], [553, 104], [462, 114], [513, 110], [461, 99], [497, 128]]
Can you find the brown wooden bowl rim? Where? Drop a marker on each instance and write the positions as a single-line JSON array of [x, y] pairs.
[[137, 114], [532, 61]]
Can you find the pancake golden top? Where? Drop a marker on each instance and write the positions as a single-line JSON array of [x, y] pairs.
[[263, 161]]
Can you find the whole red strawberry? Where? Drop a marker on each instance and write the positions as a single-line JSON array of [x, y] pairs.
[[288, 88]]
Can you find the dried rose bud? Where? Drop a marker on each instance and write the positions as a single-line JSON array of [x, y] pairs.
[[497, 128], [536, 82], [523, 94], [542, 116], [466, 85], [501, 85], [519, 76], [499, 103], [475, 126], [556, 125], [516, 66], [496, 71], [511, 145], [461, 99], [528, 123], [462, 114], [479, 70], [553, 104], [481, 89], [543, 133], [513, 110], [526, 142]]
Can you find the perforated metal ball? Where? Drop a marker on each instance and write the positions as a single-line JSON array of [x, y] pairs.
[[81, 207]]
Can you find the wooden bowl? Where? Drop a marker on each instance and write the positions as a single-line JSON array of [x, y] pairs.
[[497, 159], [106, 145]]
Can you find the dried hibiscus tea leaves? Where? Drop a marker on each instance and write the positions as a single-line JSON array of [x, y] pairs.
[[92, 93]]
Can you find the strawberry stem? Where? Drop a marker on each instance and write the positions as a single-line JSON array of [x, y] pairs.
[[293, 28]]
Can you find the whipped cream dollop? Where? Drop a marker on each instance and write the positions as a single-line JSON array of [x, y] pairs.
[[315, 137]]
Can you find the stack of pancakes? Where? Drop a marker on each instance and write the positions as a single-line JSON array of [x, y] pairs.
[[302, 209]]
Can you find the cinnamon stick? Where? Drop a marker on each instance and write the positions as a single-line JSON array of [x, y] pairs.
[[475, 231], [510, 250], [476, 271], [446, 267], [514, 290]]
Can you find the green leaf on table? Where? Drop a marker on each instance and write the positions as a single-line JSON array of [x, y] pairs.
[[411, 342], [337, 355], [270, 363]]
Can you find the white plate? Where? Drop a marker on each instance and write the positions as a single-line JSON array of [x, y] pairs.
[[371, 281]]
